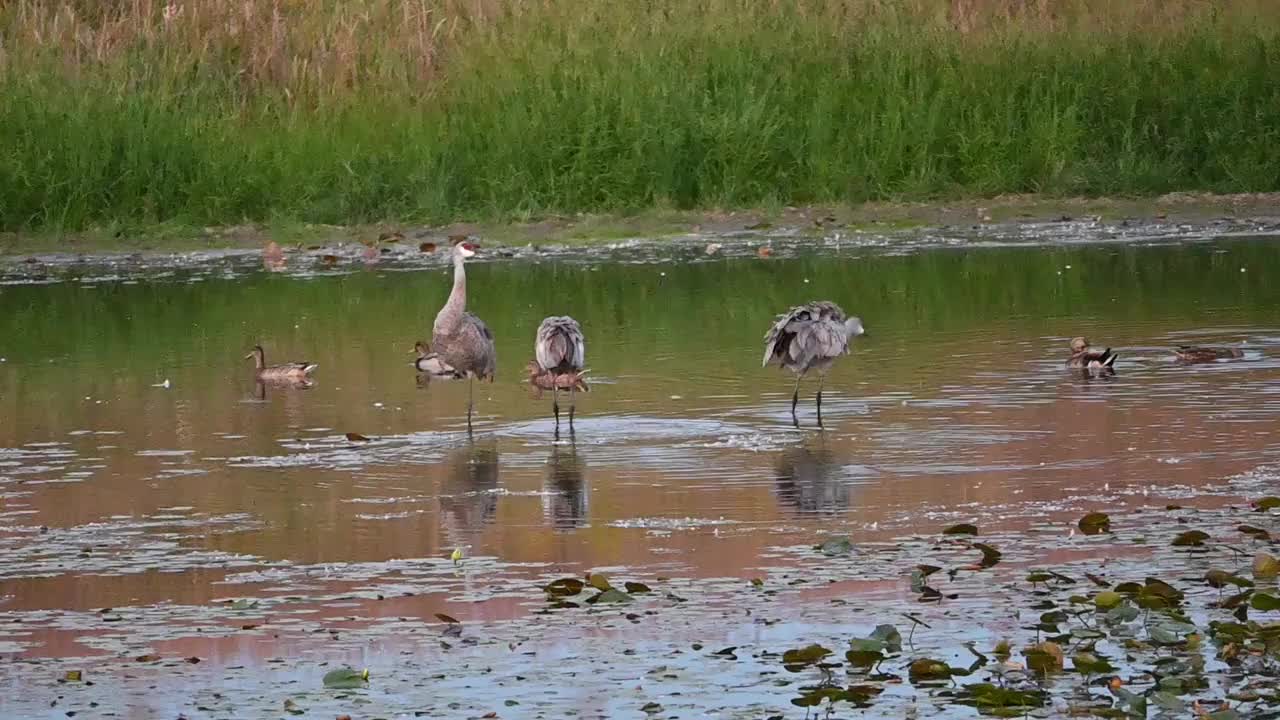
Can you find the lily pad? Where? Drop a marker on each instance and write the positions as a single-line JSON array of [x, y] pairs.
[[565, 586], [798, 659], [1264, 602], [1265, 566], [836, 546], [1095, 523], [1107, 599], [612, 595], [928, 670], [636, 587], [1190, 538], [866, 645], [1045, 657], [1256, 533], [599, 581], [346, 678], [961, 529], [1265, 504], [990, 555], [1222, 578], [1090, 664], [890, 636], [863, 658], [988, 696]]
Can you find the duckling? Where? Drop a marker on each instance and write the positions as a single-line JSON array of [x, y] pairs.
[[430, 364], [1202, 354], [546, 380], [1088, 358], [289, 371]]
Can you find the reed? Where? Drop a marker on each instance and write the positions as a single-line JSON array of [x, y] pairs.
[[127, 114]]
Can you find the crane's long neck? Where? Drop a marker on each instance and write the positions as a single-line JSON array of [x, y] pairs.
[[259, 359], [451, 314]]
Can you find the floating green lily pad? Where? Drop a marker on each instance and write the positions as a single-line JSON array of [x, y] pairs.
[[346, 678], [1095, 523]]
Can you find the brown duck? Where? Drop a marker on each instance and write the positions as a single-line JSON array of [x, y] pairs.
[[547, 380], [1090, 358], [1202, 354], [430, 364], [288, 371]]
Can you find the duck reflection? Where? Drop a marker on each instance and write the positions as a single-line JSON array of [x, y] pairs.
[[467, 500], [565, 495], [260, 386], [808, 479]]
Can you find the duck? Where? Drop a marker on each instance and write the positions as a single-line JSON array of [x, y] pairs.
[[547, 380], [1203, 354], [430, 364], [1090, 358], [288, 371]]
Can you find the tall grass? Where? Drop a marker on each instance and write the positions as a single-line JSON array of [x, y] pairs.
[[220, 111]]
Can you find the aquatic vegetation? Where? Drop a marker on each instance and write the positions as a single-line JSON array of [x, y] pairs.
[[219, 112]]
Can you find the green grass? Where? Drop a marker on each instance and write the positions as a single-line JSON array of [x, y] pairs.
[[603, 108]]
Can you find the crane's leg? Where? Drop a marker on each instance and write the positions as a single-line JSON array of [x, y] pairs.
[[555, 399], [471, 386], [573, 404], [795, 397], [822, 377]]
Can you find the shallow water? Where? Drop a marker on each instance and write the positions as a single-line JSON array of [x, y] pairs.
[[117, 491]]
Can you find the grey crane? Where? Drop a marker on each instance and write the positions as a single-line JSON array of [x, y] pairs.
[[560, 349], [461, 341], [810, 337]]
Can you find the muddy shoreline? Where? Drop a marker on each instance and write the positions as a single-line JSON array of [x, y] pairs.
[[969, 218]]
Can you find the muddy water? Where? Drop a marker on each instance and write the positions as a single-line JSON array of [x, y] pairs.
[[142, 467]]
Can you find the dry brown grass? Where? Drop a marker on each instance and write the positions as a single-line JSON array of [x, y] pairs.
[[317, 50]]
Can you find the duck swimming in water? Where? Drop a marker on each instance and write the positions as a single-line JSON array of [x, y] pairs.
[[292, 371], [1090, 358], [1203, 354]]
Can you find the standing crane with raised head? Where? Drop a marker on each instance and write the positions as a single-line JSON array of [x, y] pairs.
[[461, 341]]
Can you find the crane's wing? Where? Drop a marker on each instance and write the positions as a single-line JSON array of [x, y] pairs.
[[559, 343], [777, 342], [805, 332], [820, 339], [470, 349]]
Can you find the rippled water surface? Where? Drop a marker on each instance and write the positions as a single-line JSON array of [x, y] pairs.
[[142, 467]]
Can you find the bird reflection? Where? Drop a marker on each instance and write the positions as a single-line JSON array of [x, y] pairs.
[[467, 500], [565, 494], [808, 480], [261, 385]]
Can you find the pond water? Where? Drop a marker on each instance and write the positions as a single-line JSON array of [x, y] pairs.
[[143, 470]]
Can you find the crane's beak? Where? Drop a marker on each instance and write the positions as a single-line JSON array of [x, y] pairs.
[[246, 357]]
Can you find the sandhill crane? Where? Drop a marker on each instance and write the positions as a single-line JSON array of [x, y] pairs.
[[810, 337], [461, 340], [559, 349], [1091, 359], [292, 371]]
